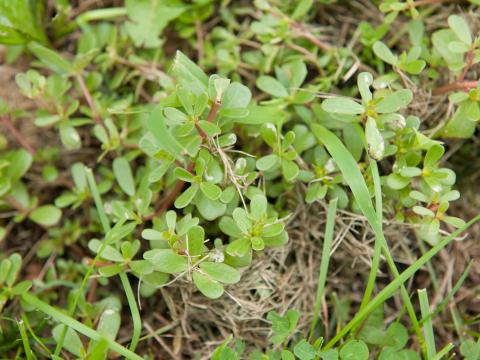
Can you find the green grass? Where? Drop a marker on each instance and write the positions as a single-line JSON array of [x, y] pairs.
[[322, 276]]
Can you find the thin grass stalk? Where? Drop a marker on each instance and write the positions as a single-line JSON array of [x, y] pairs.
[[322, 276]]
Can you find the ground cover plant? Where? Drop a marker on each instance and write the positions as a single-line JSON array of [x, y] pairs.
[[250, 179]]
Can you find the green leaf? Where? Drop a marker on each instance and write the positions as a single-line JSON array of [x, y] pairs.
[[72, 341], [458, 47], [186, 197], [258, 206], [220, 272], [257, 243], [258, 115], [272, 86], [228, 226], [123, 174], [50, 58], [287, 354], [165, 140], [19, 163], [195, 239], [441, 39], [397, 182], [304, 351], [350, 171], [433, 155], [330, 354], [108, 253], [460, 28], [454, 221], [415, 67], [183, 174], [165, 260], [283, 326], [210, 190], [298, 73], [354, 350], [302, 9], [239, 247], [290, 170], [47, 120], [21, 287], [384, 53], [394, 101], [344, 106], [410, 171], [142, 267], [209, 209], [70, 138], [236, 96], [148, 18], [268, 162], [376, 144], [459, 126], [208, 287], [364, 81], [189, 74], [242, 220], [47, 215], [273, 229], [209, 128], [109, 322]]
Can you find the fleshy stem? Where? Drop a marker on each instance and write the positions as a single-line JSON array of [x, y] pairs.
[[180, 184], [7, 122], [456, 86], [88, 98]]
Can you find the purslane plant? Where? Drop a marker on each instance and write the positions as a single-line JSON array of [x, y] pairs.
[[197, 174]]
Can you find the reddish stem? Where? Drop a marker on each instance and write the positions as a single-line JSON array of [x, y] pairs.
[[214, 110], [18, 135], [180, 184], [317, 42], [456, 86], [431, 2], [89, 99], [14, 203], [469, 62]]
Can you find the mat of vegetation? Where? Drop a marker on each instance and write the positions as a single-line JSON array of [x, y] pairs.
[[239, 179]]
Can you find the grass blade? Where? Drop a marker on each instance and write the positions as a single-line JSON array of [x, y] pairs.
[[137, 322], [377, 250], [77, 325], [322, 277], [126, 284], [393, 286], [427, 324], [443, 352], [352, 175], [26, 342]]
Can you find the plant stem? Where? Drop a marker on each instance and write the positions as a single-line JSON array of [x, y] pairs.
[[322, 276], [431, 2], [88, 98], [7, 122], [456, 86]]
